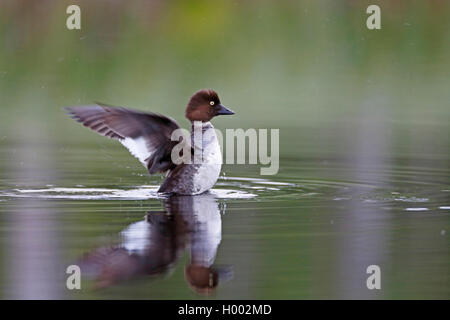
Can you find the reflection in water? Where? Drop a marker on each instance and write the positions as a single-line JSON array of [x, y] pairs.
[[153, 246]]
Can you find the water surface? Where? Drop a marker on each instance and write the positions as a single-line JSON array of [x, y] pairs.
[[308, 232]]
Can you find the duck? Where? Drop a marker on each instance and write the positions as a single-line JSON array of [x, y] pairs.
[[149, 137]]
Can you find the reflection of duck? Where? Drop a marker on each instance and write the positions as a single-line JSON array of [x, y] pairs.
[[153, 246]]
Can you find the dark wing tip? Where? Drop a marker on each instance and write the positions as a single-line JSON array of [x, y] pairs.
[[72, 113], [67, 110], [94, 117]]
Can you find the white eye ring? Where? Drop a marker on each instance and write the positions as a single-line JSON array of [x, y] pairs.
[[211, 103]]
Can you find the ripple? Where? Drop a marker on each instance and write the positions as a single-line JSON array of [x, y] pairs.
[[249, 188], [229, 188], [137, 193], [416, 209], [301, 189], [411, 199]]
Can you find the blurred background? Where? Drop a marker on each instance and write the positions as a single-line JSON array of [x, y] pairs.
[[364, 139]]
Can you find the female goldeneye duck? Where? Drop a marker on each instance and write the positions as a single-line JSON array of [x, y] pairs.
[[147, 136]]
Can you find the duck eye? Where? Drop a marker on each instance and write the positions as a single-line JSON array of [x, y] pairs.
[[211, 103]]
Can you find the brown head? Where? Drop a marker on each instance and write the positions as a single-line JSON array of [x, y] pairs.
[[205, 105]]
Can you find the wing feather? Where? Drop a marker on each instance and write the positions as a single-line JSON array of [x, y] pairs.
[[146, 135]]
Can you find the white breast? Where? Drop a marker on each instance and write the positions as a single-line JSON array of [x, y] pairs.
[[208, 172]]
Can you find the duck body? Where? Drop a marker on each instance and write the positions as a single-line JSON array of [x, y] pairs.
[[192, 179], [148, 137]]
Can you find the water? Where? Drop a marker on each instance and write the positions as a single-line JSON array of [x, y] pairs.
[[308, 232], [364, 173]]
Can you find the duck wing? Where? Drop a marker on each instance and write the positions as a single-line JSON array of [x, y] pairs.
[[145, 134]]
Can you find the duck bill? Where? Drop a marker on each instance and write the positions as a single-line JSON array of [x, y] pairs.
[[224, 110]]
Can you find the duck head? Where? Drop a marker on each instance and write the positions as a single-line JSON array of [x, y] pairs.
[[205, 105]]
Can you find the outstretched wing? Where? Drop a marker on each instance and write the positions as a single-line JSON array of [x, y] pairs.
[[146, 135]]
